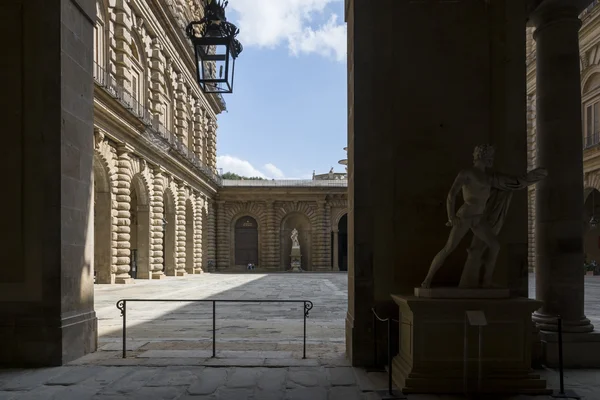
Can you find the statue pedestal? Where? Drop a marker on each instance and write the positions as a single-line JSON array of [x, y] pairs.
[[296, 259], [432, 339], [460, 293]]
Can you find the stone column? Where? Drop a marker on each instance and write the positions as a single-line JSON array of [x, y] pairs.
[[318, 258], [157, 79], [223, 242], [336, 252], [121, 211], [156, 219], [198, 235], [327, 237], [181, 117], [180, 233], [559, 197], [198, 131], [210, 230], [270, 237]]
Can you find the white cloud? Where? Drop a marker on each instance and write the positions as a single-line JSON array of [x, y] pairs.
[[271, 23], [238, 166], [244, 168], [273, 171]]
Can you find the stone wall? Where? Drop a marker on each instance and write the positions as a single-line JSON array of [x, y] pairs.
[[318, 209]]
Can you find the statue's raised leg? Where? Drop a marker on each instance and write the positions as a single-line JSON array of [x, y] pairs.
[[457, 233], [484, 232]]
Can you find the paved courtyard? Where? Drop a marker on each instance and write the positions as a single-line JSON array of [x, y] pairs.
[[259, 346]]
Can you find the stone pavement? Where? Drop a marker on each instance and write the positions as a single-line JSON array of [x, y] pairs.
[[166, 330], [225, 383], [259, 346]]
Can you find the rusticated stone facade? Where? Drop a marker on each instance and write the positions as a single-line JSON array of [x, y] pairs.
[[152, 174], [273, 209], [590, 85], [160, 208]]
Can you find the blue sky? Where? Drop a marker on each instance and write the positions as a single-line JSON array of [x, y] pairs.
[[287, 114]]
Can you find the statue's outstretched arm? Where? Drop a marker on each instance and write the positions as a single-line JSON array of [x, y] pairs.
[[507, 182]]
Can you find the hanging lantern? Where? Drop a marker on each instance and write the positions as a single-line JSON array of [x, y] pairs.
[[594, 222], [216, 48]]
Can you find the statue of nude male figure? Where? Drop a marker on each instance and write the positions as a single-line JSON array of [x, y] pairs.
[[477, 185]]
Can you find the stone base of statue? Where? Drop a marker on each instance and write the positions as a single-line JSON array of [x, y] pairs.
[[432, 346], [460, 293], [296, 260]]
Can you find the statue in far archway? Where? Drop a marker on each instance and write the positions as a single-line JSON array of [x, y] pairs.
[[294, 237], [487, 196]]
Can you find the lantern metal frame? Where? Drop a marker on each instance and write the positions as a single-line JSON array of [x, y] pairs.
[[211, 31]]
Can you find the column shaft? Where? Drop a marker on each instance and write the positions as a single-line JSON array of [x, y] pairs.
[[336, 255], [559, 197]]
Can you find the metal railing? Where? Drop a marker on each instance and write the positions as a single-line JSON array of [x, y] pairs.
[[390, 391], [122, 305], [286, 183], [155, 127], [592, 140]]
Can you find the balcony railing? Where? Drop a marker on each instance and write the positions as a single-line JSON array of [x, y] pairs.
[[285, 183], [592, 140], [156, 131]]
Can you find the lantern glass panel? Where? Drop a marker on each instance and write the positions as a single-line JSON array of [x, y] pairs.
[[215, 65]]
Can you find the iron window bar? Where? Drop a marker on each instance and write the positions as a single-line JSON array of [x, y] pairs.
[[122, 306]]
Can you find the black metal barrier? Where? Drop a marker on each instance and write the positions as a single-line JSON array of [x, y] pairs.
[[390, 392], [562, 394], [122, 305]]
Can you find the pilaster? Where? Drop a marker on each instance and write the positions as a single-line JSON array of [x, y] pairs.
[[121, 211], [198, 131], [156, 221], [121, 43], [181, 115], [157, 78], [271, 239], [198, 235], [222, 239], [180, 233], [211, 236]]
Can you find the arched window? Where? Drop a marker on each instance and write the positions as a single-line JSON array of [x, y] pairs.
[[100, 35], [137, 74]]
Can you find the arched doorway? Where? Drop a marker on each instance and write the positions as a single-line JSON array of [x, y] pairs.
[[591, 241], [189, 237], [139, 230], [102, 225], [302, 224], [246, 241], [169, 227], [343, 243]]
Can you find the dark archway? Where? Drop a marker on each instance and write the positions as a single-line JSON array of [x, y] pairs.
[[302, 224], [102, 224], [343, 243], [169, 262], [246, 241], [591, 240]]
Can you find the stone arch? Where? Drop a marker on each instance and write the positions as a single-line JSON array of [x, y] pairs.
[[140, 227], [301, 222], [336, 218], [590, 80], [190, 227], [169, 231], [235, 211], [103, 227], [245, 243]]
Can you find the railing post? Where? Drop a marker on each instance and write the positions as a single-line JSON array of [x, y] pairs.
[[124, 312], [214, 344], [304, 308], [389, 321]]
